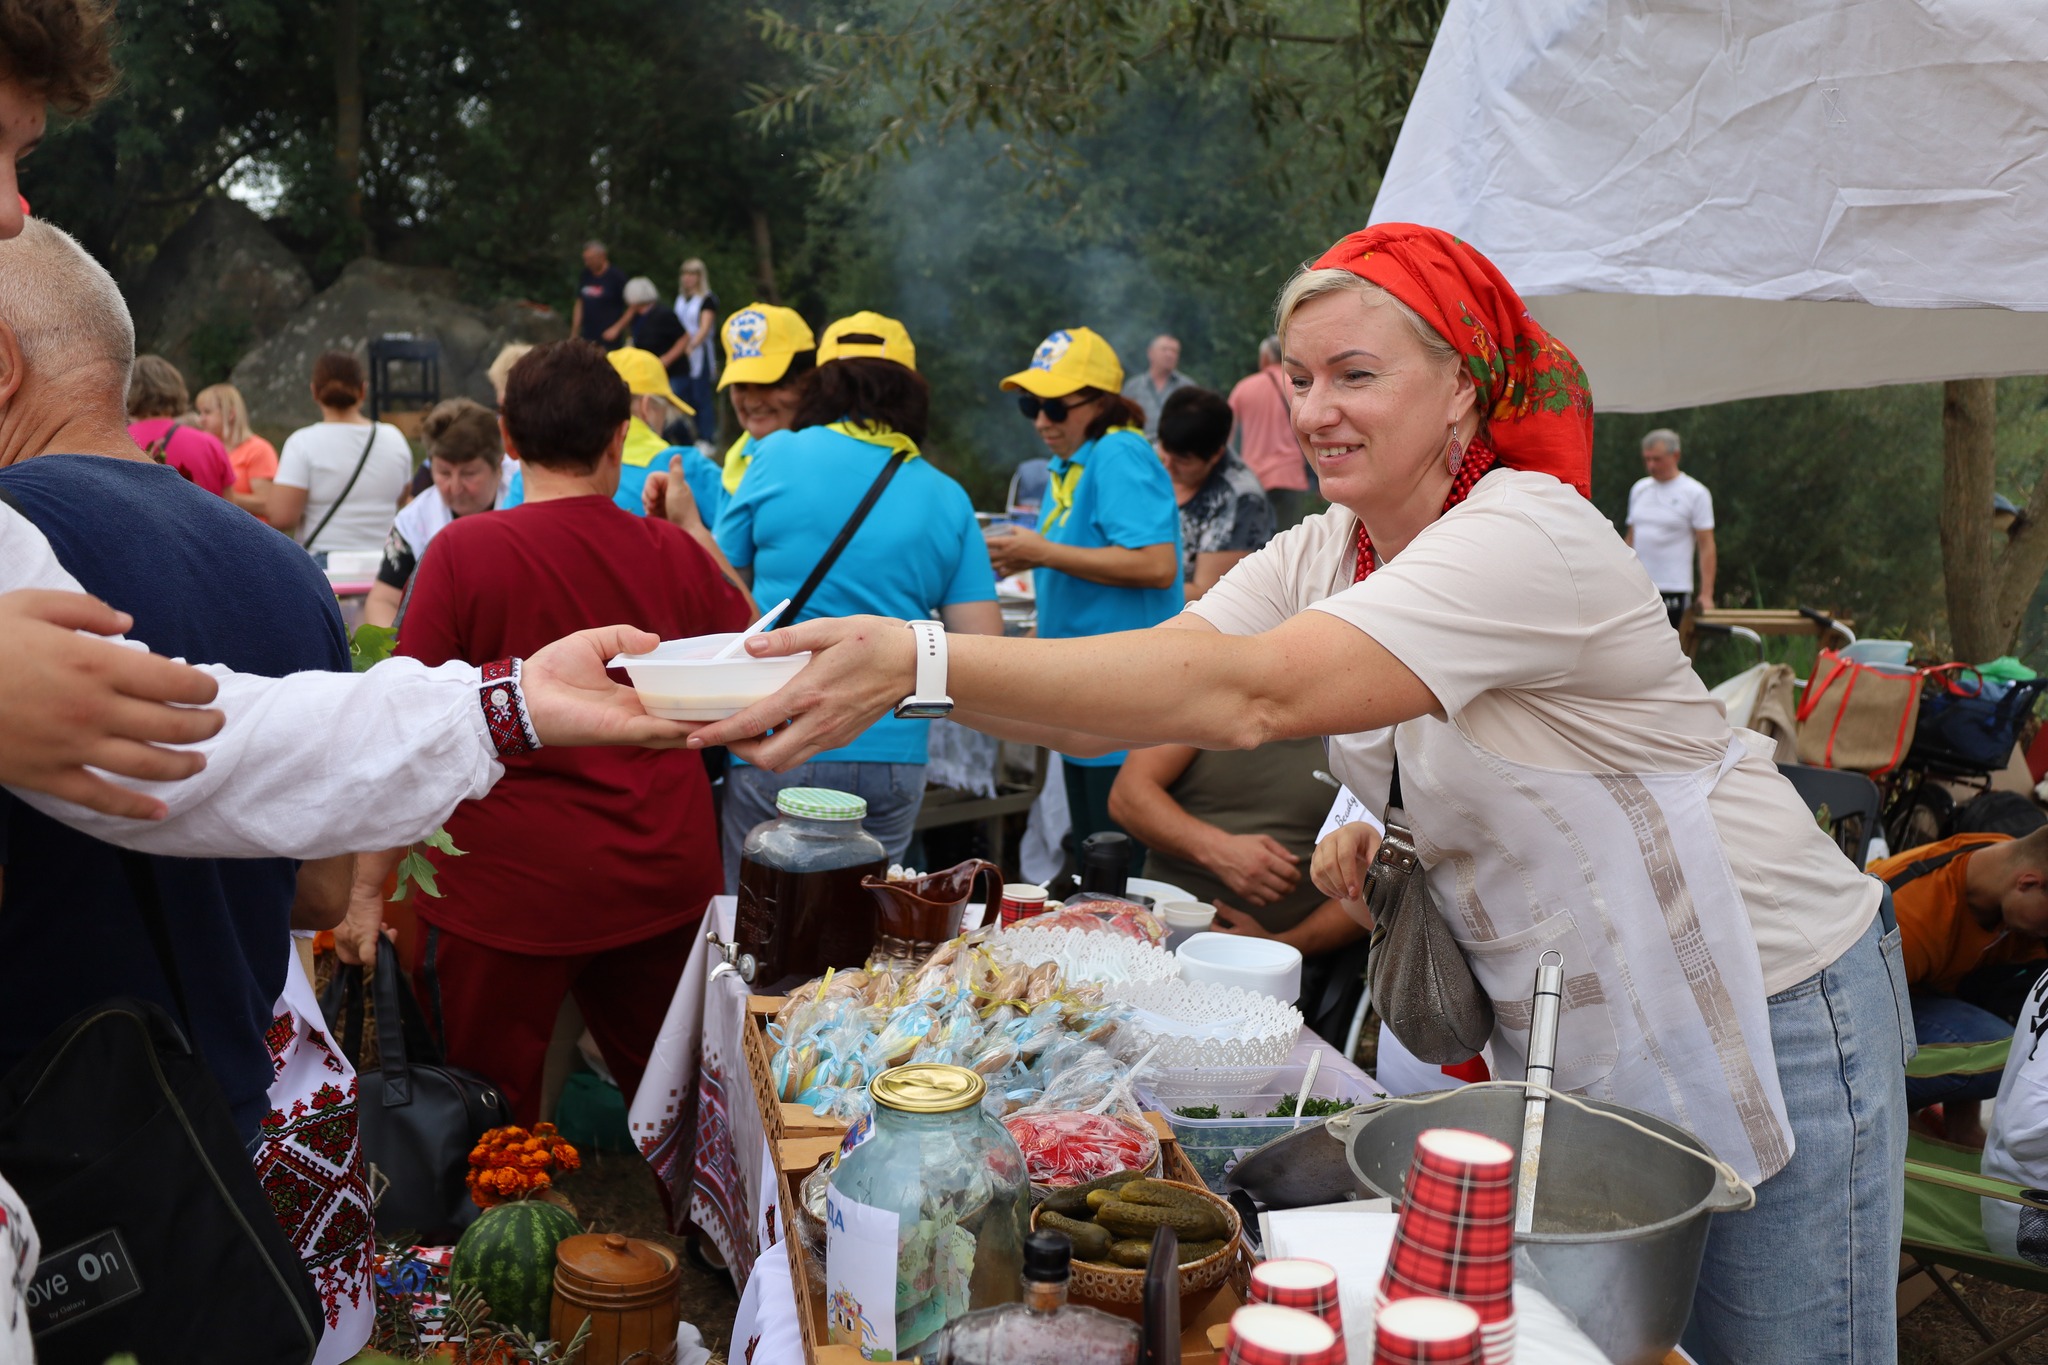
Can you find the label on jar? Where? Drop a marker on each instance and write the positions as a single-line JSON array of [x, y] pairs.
[[860, 1276]]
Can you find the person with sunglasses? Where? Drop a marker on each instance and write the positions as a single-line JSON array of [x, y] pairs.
[[1106, 553]]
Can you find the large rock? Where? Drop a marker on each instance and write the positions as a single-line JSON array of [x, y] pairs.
[[221, 284], [373, 299]]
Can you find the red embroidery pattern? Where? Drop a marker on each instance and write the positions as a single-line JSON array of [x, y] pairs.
[[309, 1162], [505, 709], [1478, 459]]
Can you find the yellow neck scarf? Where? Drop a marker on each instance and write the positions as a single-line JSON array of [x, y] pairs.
[[1064, 476], [875, 434], [737, 459], [643, 443]]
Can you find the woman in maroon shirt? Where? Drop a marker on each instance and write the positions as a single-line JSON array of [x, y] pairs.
[[584, 871]]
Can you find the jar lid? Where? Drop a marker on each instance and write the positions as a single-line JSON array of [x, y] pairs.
[[928, 1088], [610, 1263], [820, 803]]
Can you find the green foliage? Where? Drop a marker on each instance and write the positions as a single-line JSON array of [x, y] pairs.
[[370, 645], [415, 869]]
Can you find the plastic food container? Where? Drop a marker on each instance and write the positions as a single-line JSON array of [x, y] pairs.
[[1214, 1146], [1262, 965], [1185, 919], [678, 680]]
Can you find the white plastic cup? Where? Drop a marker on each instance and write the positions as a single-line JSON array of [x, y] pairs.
[[1183, 919]]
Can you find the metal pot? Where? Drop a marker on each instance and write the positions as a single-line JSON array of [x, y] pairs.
[[1621, 1218]]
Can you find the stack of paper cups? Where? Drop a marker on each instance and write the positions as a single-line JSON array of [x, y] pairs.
[[1266, 1334], [1456, 1234], [1021, 901], [1308, 1285], [1425, 1332]]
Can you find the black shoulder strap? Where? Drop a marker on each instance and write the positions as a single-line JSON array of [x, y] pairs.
[[346, 488], [149, 901], [1919, 868], [794, 613]]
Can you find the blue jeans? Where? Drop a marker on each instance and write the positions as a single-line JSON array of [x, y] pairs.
[[894, 793], [1808, 1276], [1944, 1019]]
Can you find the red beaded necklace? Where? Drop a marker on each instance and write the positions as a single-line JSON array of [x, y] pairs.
[[1478, 460]]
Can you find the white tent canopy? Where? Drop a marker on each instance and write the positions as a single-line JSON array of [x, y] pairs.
[[1710, 201]]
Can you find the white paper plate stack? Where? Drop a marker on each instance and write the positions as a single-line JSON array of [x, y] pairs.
[[1205, 1025], [1085, 956]]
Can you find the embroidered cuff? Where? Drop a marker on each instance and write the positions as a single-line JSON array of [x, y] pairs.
[[504, 706]]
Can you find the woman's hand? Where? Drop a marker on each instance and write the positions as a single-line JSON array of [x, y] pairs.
[[1017, 551], [572, 700], [1340, 865], [1255, 866], [860, 667], [355, 938]]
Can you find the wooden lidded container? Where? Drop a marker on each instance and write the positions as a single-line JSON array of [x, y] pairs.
[[627, 1288]]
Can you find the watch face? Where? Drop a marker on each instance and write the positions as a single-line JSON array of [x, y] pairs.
[[924, 710]]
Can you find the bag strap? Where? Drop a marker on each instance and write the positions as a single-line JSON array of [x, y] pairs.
[[387, 985], [1919, 868], [346, 488], [149, 902], [794, 612]]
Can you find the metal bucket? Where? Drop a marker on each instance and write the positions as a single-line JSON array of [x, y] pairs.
[[1621, 1218]]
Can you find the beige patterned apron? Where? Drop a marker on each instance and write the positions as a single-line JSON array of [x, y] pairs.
[[1624, 874]]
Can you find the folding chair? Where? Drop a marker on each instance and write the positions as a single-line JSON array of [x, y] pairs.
[[1944, 1215]]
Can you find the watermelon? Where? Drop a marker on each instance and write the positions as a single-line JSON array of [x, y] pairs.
[[508, 1256]]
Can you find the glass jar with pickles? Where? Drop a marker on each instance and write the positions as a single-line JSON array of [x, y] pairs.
[[925, 1220]]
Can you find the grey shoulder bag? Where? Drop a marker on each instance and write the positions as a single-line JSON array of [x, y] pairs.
[[1421, 983]]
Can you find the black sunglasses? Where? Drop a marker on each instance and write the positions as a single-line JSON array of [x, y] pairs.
[[1055, 409]]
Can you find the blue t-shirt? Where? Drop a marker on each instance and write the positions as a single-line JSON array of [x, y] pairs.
[[919, 549], [706, 481], [207, 582], [1122, 496]]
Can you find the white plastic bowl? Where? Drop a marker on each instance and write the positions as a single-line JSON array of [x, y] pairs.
[[1261, 965], [678, 679]]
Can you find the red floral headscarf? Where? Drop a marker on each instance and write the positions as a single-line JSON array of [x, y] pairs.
[[1533, 390]]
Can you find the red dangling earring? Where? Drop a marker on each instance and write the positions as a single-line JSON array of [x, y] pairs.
[[1454, 453]]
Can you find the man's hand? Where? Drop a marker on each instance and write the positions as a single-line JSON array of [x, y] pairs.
[[355, 938], [1255, 866], [68, 702], [571, 699], [860, 667], [668, 495], [1016, 551], [1230, 920], [1340, 865]]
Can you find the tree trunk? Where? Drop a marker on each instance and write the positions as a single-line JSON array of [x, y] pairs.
[[764, 258], [1969, 458], [348, 108]]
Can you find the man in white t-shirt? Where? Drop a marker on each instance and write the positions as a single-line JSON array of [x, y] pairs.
[[2016, 1148], [1669, 515]]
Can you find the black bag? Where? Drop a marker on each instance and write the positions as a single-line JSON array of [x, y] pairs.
[[156, 1236], [419, 1118], [1968, 722]]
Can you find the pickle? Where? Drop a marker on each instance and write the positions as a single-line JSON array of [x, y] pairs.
[[1091, 1242], [1132, 1252], [1073, 1200], [1158, 1192], [1204, 1224], [1190, 1252], [1097, 1198]]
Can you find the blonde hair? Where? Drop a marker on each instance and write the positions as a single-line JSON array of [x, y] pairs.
[[234, 412], [502, 366], [703, 278], [1309, 283]]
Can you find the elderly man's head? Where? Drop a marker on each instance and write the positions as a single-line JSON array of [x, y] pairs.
[[595, 257], [1164, 354], [1660, 454], [66, 341]]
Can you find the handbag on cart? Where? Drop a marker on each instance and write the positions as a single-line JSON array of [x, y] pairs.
[[419, 1118], [1857, 717], [1421, 984], [1968, 722]]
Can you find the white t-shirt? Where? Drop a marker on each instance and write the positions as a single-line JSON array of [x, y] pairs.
[[320, 458], [2016, 1145], [1665, 515], [1543, 641]]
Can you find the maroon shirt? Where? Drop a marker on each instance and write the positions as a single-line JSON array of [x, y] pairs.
[[576, 849]]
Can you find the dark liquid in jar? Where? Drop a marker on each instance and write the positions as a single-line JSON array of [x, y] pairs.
[[796, 924]]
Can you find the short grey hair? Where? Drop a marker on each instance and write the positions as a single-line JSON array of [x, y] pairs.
[[594, 245], [640, 289], [1269, 351], [66, 312], [1662, 436]]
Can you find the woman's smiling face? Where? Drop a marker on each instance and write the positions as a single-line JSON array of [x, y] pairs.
[[1372, 406]]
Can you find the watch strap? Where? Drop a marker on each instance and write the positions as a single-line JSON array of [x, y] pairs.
[[930, 685]]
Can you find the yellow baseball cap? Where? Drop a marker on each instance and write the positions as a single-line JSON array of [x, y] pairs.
[[1068, 361], [892, 343], [760, 341], [644, 376]]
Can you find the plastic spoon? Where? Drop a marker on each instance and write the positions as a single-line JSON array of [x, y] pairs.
[[1315, 1063], [739, 641], [1545, 1005]]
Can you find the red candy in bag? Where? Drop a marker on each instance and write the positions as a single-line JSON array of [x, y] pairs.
[[1068, 1148], [1104, 916]]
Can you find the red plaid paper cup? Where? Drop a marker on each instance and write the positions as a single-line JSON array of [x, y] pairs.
[[1020, 901], [1308, 1285], [1267, 1334], [1425, 1332], [1497, 1341], [1455, 1237]]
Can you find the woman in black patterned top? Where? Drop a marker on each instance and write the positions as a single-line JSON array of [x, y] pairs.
[[1224, 512]]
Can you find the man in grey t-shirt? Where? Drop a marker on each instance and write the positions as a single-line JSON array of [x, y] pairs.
[[1149, 390]]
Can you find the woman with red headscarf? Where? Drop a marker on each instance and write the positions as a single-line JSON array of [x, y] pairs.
[[1464, 624]]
